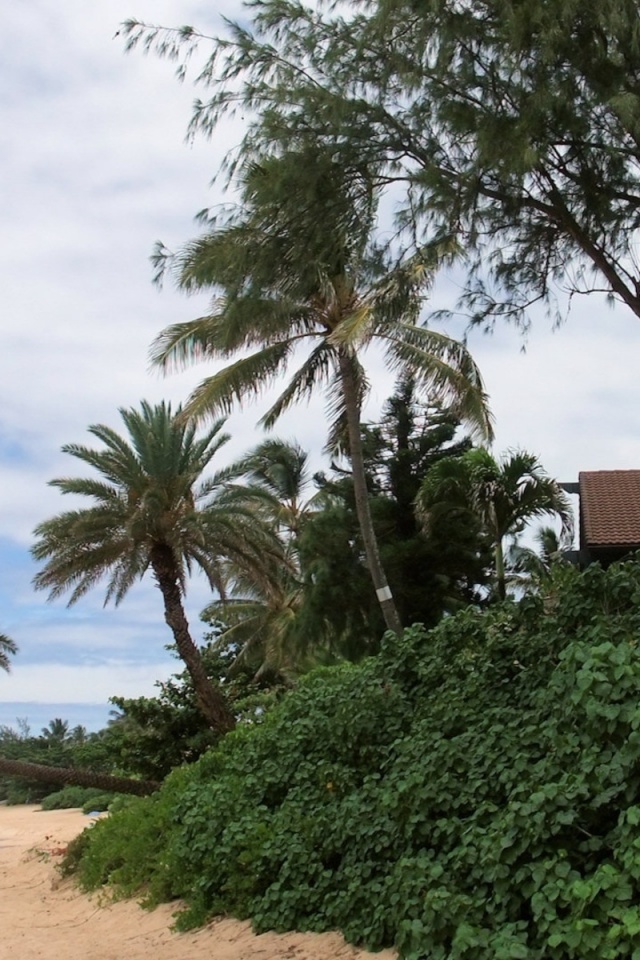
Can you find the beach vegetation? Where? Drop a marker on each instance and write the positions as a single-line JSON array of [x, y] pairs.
[[471, 791]]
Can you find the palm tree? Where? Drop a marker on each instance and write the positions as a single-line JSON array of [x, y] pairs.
[[504, 496], [278, 475], [8, 648], [531, 568], [151, 510], [261, 616], [295, 265], [56, 731]]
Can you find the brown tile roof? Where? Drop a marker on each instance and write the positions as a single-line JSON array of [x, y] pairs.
[[610, 508]]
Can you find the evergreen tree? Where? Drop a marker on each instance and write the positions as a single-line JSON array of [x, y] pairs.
[[430, 574], [513, 125]]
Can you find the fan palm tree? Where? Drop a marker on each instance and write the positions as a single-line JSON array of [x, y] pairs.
[[296, 266], [151, 510], [8, 648], [504, 496]]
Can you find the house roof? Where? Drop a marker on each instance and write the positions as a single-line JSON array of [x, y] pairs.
[[610, 508]]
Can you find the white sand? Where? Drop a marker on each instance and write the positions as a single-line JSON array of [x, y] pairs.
[[45, 918]]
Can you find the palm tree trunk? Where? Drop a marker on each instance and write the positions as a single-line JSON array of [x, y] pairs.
[[501, 585], [352, 409], [76, 778], [213, 704]]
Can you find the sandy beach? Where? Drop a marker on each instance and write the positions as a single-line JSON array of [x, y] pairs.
[[45, 918]]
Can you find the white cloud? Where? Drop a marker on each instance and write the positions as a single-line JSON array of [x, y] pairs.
[[67, 683]]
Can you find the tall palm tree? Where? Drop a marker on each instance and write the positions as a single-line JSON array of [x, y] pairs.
[[296, 265], [151, 510], [8, 648], [503, 495]]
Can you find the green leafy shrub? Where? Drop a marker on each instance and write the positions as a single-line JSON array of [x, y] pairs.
[[71, 797], [473, 793], [98, 802], [18, 792]]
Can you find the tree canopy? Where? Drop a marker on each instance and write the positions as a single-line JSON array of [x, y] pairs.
[[513, 125], [296, 265], [501, 495]]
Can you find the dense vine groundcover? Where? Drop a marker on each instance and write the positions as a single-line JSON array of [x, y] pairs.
[[472, 792]]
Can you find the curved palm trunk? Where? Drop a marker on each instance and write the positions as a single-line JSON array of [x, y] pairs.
[[211, 701], [352, 409], [76, 778]]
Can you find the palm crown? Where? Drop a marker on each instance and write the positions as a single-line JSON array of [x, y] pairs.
[[503, 495], [151, 510], [296, 264], [149, 496]]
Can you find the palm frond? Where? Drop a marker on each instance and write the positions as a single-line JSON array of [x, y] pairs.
[[315, 370], [443, 368], [238, 381]]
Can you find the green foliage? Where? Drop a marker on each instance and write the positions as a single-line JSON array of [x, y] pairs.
[[429, 574], [149, 736], [472, 792], [99, 802], [500, 496], [53, 747], [150, 509], [70, 797], [514, 125], [131, 854], [8, 649], [56, 746]]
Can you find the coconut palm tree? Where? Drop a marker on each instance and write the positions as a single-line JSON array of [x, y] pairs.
[[504, 496], [56, 731], [261, 616], [8, 648], [295, 266], [151, 511]]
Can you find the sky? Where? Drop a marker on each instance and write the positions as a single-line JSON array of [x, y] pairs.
[[94, 169]]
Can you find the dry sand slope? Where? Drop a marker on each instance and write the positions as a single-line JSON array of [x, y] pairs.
[[43, 918]]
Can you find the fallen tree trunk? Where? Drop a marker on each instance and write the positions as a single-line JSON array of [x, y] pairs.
[[76, 777]]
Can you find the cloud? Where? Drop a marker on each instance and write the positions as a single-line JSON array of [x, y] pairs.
[[68, 683]]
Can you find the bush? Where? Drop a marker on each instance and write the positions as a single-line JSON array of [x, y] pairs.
[[71, 797], [473, 793], [98, 802]]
